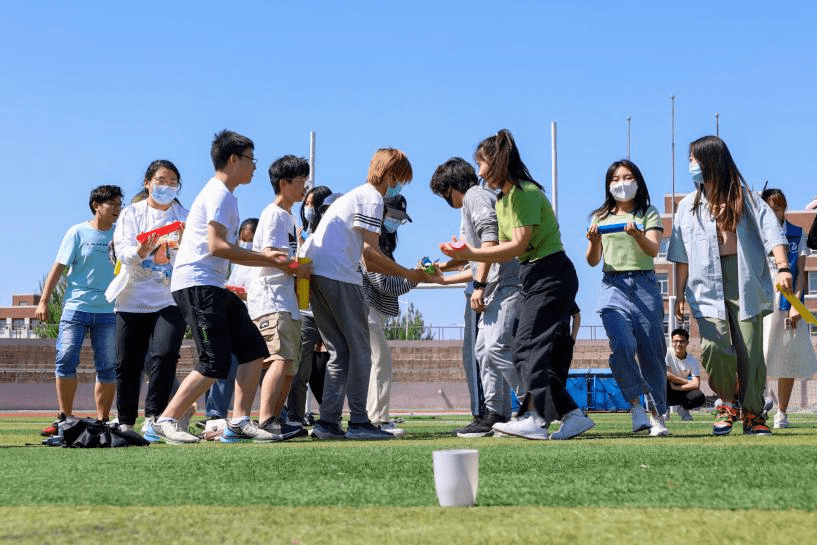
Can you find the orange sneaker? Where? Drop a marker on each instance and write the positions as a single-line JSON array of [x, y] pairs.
[[755, 425]]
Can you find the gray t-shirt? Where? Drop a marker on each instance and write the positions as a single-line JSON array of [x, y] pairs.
[[477, 225]]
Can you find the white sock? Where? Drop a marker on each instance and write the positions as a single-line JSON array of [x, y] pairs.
[[239, 420]]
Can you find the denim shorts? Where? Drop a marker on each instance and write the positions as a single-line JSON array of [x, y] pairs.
[[74, 324]]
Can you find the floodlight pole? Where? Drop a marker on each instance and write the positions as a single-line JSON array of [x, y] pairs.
[[717, 125], [673, 295], [311, 182]]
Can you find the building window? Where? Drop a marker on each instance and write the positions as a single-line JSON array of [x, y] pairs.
[[663, 282], [812, 282], [18, 324]]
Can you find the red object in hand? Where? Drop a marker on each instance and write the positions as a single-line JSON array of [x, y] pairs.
[[236, 289], [293, 265], [166, 230]]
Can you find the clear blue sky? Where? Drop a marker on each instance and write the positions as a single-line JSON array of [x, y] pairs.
[[93, 92]]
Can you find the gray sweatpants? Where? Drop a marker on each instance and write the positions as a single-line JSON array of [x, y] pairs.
[[341, 312]]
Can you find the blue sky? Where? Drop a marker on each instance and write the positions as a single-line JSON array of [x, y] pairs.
[[95, 91]]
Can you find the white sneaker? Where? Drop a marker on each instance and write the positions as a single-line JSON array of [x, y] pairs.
[[640, 420], [125, 427], [781, 420], [684, 414], [392, 429], [527, 427], [573, 423], [658, 428], [170, 432]]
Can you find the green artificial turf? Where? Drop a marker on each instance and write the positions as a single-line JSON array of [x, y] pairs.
[[606, 486]]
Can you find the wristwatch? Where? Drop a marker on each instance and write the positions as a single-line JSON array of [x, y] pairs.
[[479, 285]]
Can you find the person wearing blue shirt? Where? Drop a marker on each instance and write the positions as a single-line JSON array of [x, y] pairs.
[[85, 253]]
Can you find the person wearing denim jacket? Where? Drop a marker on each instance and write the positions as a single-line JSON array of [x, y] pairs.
[[720, 247]]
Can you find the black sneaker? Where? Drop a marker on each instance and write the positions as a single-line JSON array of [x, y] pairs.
[[366, 431], [481, 427], [327, 430]]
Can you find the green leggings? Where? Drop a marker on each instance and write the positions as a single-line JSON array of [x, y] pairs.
[[733, 348]]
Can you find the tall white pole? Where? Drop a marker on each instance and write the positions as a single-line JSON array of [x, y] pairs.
[[311, 182], [553, 170], [717, 125], [673, 295]]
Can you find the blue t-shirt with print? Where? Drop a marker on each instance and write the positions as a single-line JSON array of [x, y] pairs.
[[84, 250]]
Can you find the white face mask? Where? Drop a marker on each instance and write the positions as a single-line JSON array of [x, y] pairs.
[[624, 191]]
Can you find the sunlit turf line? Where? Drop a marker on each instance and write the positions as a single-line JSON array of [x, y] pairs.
[[196, 524]]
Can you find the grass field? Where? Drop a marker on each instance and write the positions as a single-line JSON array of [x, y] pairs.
[[606, 487]]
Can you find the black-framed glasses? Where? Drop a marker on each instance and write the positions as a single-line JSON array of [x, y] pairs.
[[253, 159]]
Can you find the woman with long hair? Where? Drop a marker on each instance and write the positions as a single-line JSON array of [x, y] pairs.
[[543, 347], [720, 240], [630, 302], [786, 339]]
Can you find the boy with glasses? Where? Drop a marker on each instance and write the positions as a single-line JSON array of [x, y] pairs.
[[683, 376], [219, 320]]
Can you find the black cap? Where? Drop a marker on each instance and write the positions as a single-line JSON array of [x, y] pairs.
[[396, 206]]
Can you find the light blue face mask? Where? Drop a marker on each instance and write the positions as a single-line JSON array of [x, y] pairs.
[[393, 191], [309, 214], [697, 175], [391, 224], [164, 194]]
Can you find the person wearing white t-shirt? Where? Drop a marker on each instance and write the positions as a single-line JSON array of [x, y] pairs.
[[219, 321], [349, 229], [149, 325], [683, 376], [271, 296]]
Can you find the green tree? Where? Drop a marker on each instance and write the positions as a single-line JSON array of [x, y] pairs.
[[408, 326], [50, 328]]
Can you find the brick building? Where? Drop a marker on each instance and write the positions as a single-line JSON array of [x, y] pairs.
[[17, 321], [664, 268]]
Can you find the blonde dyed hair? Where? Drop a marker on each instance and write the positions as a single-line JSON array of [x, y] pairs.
[[389, 161]]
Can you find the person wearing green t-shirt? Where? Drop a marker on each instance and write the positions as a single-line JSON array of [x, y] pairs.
[[630, 303], [543, 347]]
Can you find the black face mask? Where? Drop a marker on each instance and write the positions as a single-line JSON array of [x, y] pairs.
[[448, 199]]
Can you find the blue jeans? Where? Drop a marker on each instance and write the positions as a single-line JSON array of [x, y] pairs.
[[74, 324], [633, 316]]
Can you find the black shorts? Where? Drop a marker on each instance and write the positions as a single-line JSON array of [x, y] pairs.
[[221, 326]]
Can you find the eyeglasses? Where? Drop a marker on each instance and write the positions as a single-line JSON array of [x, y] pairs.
[[253, 159], [165, 182], [680, 342]]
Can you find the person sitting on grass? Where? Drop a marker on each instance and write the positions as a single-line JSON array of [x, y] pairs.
[[219, 321], [683, 376]]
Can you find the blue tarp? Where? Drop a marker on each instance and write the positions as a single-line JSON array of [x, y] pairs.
[[596, 390]]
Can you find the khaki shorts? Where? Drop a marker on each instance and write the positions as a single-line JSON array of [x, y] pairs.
[[283, 337]]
